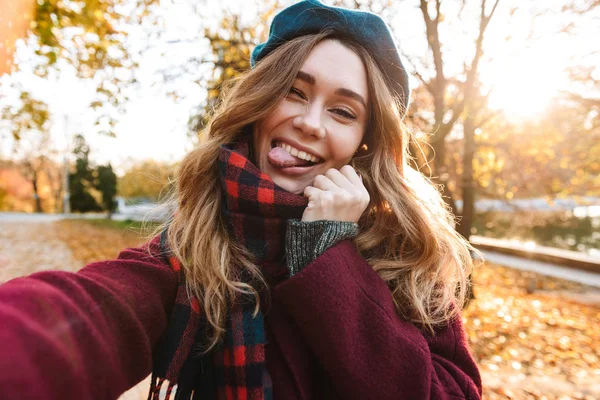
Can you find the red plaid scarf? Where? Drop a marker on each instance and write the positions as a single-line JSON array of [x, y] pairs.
[[257, 211]]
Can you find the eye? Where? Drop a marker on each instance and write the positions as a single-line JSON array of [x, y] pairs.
[[343, 113], [297, 92]]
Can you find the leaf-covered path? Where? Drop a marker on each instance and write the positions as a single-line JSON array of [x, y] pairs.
[[28, 247], [534, 337]]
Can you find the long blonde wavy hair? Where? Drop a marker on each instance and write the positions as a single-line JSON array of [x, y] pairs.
[[406, 233]]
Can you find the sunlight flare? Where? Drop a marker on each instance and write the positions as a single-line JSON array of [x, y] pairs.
[[523, 87]]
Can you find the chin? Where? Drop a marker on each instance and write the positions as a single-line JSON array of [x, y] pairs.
[[292, 186]]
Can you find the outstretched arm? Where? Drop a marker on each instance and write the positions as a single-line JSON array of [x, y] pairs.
[[84, 335]]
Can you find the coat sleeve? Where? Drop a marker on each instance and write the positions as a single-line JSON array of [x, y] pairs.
[[346, 313], [84, 335]]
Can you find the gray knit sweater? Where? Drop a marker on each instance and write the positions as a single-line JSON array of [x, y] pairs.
[[305, 241]]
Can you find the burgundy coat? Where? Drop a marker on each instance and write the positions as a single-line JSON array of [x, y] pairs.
[[331, 329]]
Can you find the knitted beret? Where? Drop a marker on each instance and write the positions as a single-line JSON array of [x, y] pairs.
[[365, 28]]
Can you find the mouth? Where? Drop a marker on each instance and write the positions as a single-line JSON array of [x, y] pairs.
[[284, 155]]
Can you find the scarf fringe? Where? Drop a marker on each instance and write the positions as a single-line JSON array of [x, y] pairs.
[[156, 384]]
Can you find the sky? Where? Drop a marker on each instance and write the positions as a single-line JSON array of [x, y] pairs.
[[523, 76]]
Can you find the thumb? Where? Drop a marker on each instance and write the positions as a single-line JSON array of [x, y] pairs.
[[309, 212]]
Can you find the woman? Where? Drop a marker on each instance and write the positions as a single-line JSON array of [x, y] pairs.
[[305, 259]]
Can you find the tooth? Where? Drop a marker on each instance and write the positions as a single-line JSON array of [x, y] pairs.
[[302, 155], [313, 159], [286, 147], [294, 152]]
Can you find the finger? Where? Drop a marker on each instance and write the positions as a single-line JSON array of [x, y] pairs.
[[339, 179], [324, 183], [352, 176], [312, 192]]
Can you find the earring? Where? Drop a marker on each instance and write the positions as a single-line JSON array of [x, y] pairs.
[[362, 148]]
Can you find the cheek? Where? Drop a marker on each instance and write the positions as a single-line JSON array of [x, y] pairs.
[[344, 146], [264, 128], [282, 112], [258, 138], [270, 122]]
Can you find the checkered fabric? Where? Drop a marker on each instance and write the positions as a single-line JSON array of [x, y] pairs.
[[256, 208], [256, 211]]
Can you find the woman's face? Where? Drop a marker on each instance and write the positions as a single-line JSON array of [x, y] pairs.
[[320, 123]]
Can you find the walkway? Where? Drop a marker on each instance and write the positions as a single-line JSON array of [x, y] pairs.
[[557, 271]]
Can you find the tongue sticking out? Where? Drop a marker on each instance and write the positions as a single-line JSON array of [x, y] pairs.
[[280, 158]]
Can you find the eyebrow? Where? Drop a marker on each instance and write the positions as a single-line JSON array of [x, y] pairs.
[[308, 78]]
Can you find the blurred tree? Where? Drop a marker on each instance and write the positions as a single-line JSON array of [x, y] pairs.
[[3, 195], [17, 189], [148, 179], [106, 183], [450, 94], [231, 43], [576, 112], [32, 168], [30, 118], [82, 180], [29, 114], [55, 174], [557, 154], [475, 115], [89, 38], [30, 185]]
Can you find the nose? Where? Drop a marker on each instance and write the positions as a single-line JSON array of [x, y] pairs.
[[309, 121]]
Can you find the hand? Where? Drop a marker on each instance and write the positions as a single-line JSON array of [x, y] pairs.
[[336, 196]]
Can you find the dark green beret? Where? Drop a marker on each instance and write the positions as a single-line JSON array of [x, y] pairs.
[[365, 28]]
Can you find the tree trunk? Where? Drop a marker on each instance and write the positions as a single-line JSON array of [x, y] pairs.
[[56, 187], [36, 196], [468, 193], [468, 184]]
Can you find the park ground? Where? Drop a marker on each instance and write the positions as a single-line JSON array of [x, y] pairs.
[[534, 337]]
